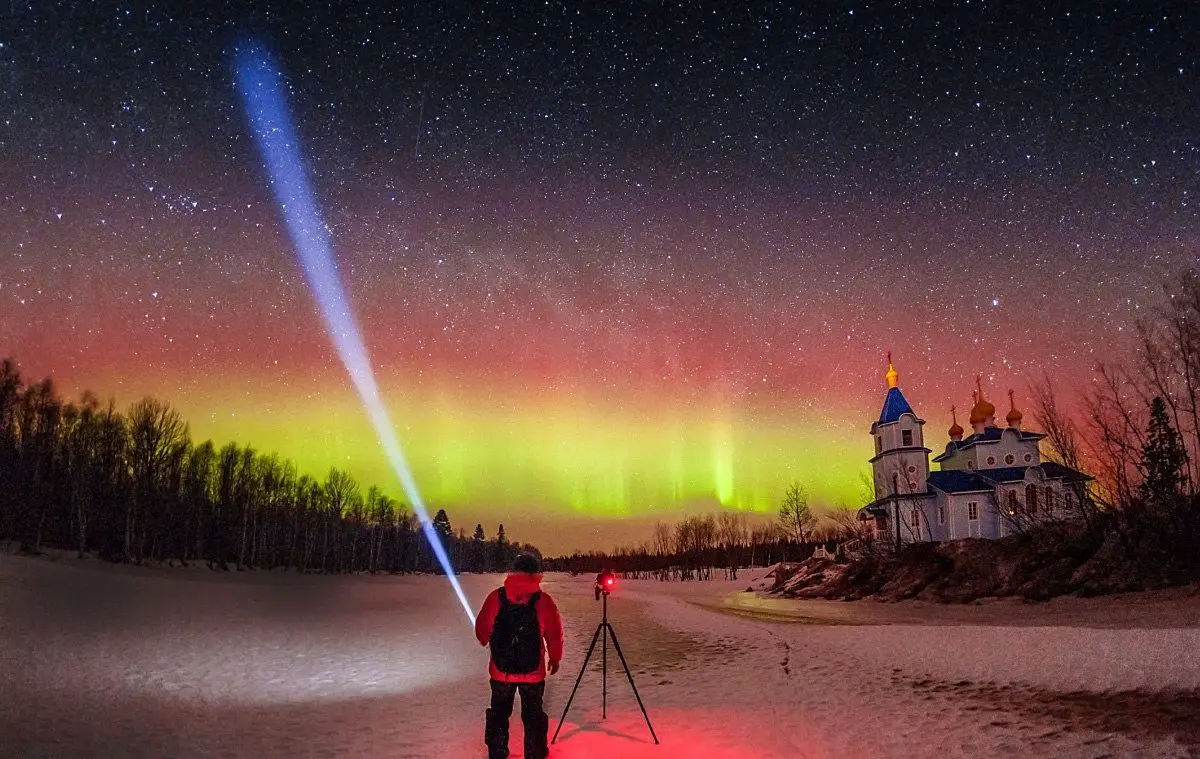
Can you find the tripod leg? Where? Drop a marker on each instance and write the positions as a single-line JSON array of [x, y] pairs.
[[582, 669], [604, 673], [629, 674]]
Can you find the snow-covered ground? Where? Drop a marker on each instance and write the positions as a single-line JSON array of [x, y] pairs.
[[118, 662]]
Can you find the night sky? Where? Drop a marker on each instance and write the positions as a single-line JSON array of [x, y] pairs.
[[611, 263]]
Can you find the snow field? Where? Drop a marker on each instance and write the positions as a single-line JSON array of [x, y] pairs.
[[98, 661]]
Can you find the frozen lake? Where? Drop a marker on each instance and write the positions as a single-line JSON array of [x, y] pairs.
[[108, 661]]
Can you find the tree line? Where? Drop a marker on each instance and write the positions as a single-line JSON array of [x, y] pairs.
[[133, 487], [696, 547]]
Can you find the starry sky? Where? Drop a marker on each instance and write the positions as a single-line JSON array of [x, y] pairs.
[[612, 262]]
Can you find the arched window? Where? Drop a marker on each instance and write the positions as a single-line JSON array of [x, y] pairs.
[[916, 518], [1012, 502], [1049, 500], [1031, 498]]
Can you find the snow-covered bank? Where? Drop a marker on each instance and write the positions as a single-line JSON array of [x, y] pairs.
[[138, 663]]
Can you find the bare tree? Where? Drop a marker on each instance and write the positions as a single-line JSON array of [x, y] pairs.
[[198, 496], [1066, 448], [762, 542], [847, 526], [866, 487], [1116, 432], [155, 432], [731, 533], [795, 516]]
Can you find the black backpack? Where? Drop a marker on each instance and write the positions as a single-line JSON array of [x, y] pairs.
[[516, 637]]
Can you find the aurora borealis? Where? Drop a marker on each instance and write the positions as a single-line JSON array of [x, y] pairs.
[[609, 263]]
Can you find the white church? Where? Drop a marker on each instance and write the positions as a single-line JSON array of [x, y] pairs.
[[989, 484]]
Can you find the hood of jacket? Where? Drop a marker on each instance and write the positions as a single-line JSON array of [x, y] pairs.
[[519, 586]]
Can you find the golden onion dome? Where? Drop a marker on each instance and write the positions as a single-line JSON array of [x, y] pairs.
[[982, 410], [1014, 415], [956, 430]]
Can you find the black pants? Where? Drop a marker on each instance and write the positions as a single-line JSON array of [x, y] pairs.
[[533, 717]]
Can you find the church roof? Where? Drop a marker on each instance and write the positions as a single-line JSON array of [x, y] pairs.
[[894, 405], [989, 435], [958, 481], [1053, 470], [973, 480]]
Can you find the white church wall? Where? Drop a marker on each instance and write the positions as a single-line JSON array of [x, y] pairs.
[[957, 460], [892, 434], [1009, 450], [958, 518]]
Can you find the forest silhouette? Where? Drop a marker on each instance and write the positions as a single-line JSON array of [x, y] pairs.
[[133, 487]]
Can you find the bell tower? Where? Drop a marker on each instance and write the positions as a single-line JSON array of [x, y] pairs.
[[901, 462]]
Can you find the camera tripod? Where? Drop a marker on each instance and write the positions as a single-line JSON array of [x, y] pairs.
[[604, 630]]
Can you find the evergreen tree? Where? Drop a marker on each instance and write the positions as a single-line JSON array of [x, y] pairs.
[[478, 550], [1163, 458], [500, 554], [441, 524]]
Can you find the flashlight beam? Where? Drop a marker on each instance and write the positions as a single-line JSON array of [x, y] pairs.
[[262, 89]]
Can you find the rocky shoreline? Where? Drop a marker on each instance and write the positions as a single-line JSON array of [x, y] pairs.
[[1028, 567]]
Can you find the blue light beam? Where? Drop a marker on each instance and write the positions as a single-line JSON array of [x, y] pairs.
[[262, 89]]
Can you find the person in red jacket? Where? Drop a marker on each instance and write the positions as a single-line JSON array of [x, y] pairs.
[[521, 624]]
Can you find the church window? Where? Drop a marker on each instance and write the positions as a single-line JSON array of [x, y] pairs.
[[1009, 459], [1049, 499], [1031, 498], [970, 465], [912, 486], [906, 438], [878, 444], [916, 518], [1028, 457], [991, 460], [941, 514], [1012, 502], [912, 469], [973, 511]]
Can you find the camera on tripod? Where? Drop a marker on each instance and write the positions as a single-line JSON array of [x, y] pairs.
[[606, 582]]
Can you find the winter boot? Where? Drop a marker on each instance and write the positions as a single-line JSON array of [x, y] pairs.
[[537, 728], [495, 734]]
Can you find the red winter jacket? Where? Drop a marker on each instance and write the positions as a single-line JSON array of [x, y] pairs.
[[518, 587]]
